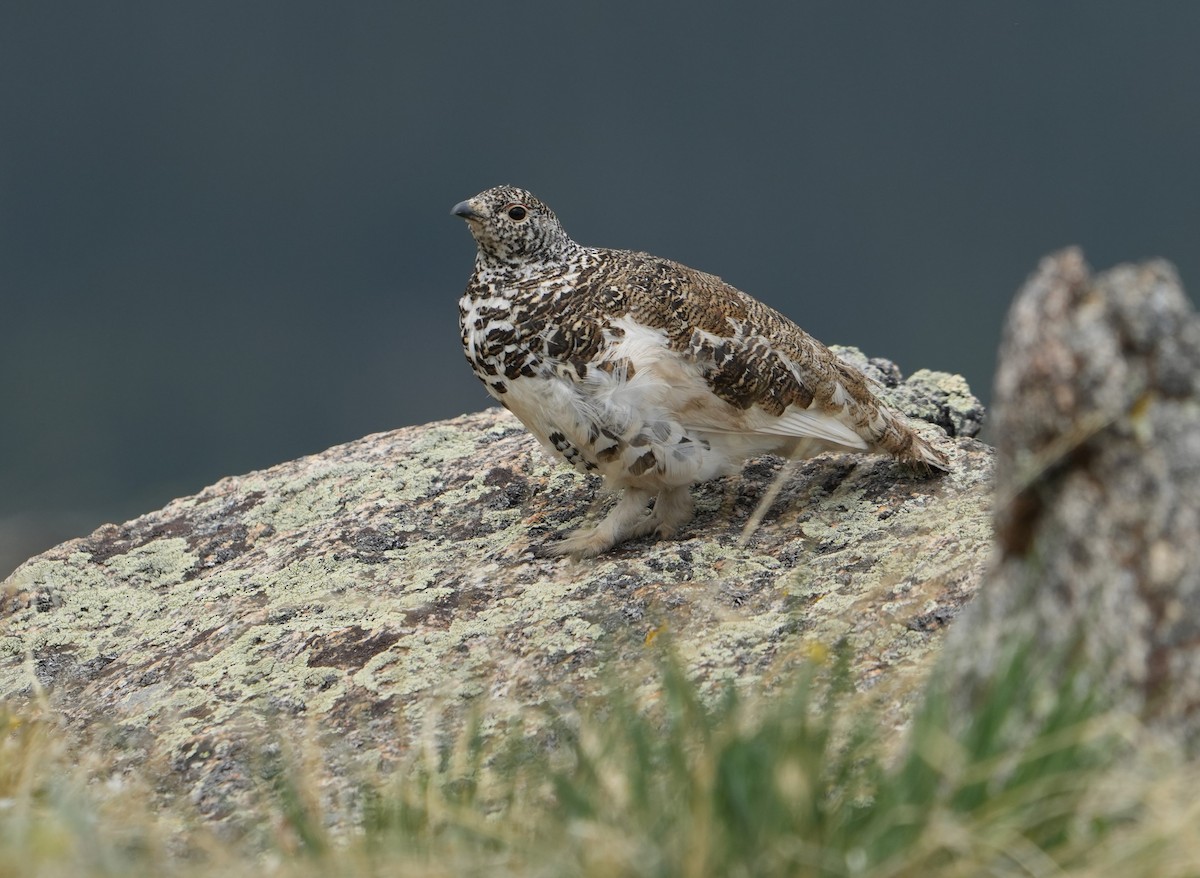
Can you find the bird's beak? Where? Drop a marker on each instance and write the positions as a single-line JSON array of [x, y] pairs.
[[466, 211]]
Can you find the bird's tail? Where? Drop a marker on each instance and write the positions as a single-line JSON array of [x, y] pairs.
[[901, 441]]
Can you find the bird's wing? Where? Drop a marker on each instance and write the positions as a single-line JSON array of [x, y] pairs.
[[777, 378], [738, 366], [805, 424]]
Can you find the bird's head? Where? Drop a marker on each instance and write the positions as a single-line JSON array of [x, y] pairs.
[[512, 226]]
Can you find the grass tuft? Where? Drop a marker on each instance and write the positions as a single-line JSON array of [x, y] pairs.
[[804, 783]]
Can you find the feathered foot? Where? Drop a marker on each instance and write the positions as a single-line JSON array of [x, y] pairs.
[[629, 519]]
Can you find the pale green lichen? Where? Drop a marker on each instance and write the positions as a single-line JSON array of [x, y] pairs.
[[266, 596]]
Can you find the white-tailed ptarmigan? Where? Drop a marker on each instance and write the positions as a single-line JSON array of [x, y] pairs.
[[649, 373]]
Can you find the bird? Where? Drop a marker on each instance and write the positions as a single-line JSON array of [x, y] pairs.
[[648, 373]]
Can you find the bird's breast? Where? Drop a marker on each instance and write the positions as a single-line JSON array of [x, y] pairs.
[[526, 330]]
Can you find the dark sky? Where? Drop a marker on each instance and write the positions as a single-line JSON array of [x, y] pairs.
[[225, 237]]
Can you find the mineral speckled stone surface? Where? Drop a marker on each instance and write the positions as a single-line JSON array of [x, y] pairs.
[[388, 584], [1097, 425]]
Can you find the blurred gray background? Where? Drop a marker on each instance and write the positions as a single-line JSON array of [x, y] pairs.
[[225, 237]]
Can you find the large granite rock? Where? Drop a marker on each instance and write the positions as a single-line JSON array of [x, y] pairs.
[[395, 583], [1097, 425]]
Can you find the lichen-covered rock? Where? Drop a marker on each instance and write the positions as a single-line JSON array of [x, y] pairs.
[[1097, 424], [396, 581]]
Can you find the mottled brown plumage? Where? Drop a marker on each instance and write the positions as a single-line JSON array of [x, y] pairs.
[[648, 372]]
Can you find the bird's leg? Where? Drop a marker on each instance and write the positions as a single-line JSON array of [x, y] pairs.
[[672, 509], [628, 518]]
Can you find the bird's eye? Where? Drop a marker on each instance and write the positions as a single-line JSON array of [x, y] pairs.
[[516, 212]]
